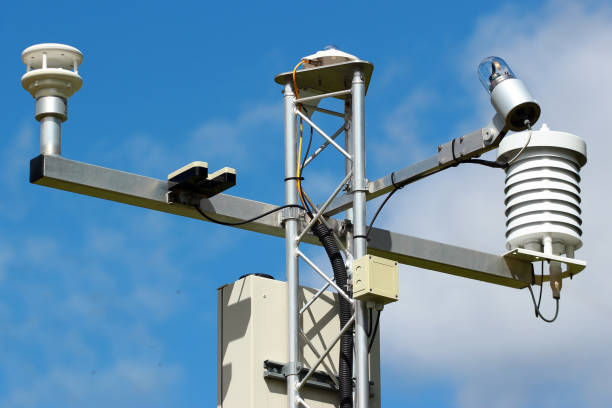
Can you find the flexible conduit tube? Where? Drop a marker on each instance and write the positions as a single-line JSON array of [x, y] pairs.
[[345, 365]]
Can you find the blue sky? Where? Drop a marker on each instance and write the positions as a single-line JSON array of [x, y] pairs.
[[102, 304]]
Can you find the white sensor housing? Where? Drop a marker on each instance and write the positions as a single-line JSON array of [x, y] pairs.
[[52, 70], [330, 55], [542, 191], [52, 76]]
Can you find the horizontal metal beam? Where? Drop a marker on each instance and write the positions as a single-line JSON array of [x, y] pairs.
[[450, 259], [114, 185], [385, 184], [128, 188]]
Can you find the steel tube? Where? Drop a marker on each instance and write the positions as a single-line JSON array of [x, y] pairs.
[[323, 275], [359, 188], [323, 96], [315, 297], [314, 350], [322, 133], [302, 402], [327, 111], [291, 262], [322, 210], [323, 146], [327, 224], [331, 346], [51, 135]]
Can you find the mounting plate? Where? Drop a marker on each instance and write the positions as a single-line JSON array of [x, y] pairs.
[[574, 266], [329, 78]]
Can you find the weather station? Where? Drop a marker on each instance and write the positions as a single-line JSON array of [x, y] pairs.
[[282, 344]]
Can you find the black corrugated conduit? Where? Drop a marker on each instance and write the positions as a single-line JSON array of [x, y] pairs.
[[345, 366]]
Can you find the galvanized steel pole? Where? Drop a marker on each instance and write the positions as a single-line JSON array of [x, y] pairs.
[[291, 233], [359, 188]]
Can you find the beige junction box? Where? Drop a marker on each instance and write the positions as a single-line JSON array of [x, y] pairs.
[[375, 279], [252, 328]]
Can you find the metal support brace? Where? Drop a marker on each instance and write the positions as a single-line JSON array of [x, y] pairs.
[[467, 146]]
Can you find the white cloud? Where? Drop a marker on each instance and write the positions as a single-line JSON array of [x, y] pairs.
[[483, 338], [228, 141], [115, 386], [402, 128], [14, 165]]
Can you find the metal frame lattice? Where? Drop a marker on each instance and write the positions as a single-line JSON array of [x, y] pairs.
[[355, 183]]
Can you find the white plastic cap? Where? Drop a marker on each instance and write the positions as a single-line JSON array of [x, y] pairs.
[[544, 137], [330, 55]]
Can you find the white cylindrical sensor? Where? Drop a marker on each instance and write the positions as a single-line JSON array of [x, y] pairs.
[[542, 191], [509, 95]]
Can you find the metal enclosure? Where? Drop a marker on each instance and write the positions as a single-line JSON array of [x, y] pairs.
[[252, 329]]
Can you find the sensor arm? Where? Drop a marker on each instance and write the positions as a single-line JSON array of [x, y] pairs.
[[133, 189], [449, 154]]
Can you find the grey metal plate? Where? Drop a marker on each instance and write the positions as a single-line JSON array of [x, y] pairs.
[[330, 78], [574, 266]]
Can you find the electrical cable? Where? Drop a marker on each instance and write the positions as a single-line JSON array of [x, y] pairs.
[[299, 165], [488, 163], [541, 287], [369, 331], [515, 158], [301, 178], [307, 150], [536, 306], [380, 207], [345, 311], [197, 207], [374, 331]]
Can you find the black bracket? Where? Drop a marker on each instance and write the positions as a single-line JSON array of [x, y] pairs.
[[192, 182]]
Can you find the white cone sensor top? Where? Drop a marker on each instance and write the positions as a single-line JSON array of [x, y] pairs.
[[52, 70], [542, 190], [330, 55]]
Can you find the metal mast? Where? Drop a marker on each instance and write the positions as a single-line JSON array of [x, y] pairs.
[[348, 81]]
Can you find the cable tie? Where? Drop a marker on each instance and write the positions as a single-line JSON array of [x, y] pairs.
[[453, 153], [397, 187], [294, 178]]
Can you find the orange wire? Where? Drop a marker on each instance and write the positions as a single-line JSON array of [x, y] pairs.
[[299, 165]]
